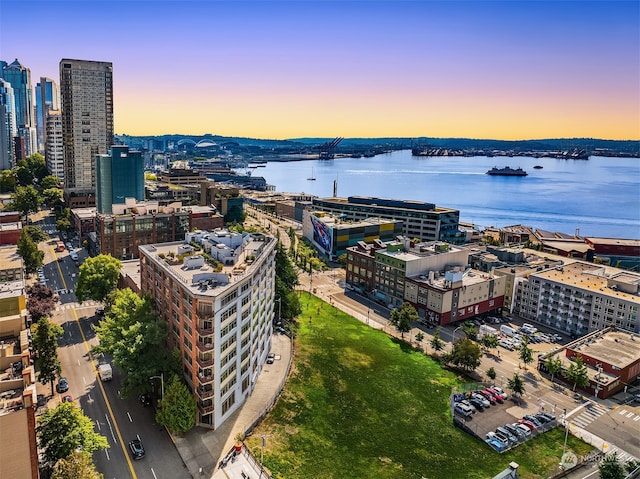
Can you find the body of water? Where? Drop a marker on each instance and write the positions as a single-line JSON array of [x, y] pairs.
[[599, 196]]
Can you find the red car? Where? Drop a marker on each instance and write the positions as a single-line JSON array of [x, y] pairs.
[[67, 399], [495, 394], [490, 397]]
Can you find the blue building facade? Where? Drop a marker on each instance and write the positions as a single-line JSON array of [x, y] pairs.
[[119, 175]]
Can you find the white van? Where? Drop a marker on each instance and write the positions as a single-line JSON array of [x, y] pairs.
[[507, 330]]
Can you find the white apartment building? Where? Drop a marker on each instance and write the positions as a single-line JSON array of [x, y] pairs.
[[54, 144]]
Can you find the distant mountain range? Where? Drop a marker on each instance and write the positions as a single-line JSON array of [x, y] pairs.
[[451, 146]]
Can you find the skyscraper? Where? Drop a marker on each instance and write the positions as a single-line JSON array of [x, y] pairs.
[[47, 98], [54, 144], [20, 79], [86, 89], [119, 175], [7, 125]]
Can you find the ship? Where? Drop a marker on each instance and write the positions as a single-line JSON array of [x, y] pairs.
[[537, 167], [506, 171]]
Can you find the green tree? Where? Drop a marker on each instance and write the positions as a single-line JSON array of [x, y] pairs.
[[31, 255], [286, 301], [466, 354], [525, 353], [610, 467], [631, 466], [553, 365], [65, 429], [403, 318], [177, 410], [52, 196], [49, 181], [7, 181], [36, 232], [36, 165], [26, 200], [577, 373], [63, 223], [470, 330], [41, 301], [75, 466], [45, 344], [436, 343], [516, 385], [134, 337], [491, 373], [489, 341], [23, 175], [419, 338], [98, 277]]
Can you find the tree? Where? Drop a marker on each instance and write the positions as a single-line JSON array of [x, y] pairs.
[[45, 343], [466, 353], [49, 181], [177, 410], [403, 318], [553, 365], [525, 353], [516, 385], [286, 281], [26, 200], [36, 166], [77, 465], [30, 253], [577, 373], [436, 343], [489, 341], [36, 232], [610, 467], [65, 429], [23, 175], [491, 373], [41, 300], [7, 181], [97, 278], [52, 196], [134, 337], [419, 338], [470, 330]]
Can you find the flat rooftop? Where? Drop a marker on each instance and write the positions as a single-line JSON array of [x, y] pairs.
[[472, 277], [618, 348], [202, 278], [614, 241], [9, 257], [10, 289], [587, 276]]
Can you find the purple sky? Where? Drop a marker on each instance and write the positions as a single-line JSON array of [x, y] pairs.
[[481, 69]]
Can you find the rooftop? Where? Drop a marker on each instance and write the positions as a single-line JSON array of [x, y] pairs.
[[614, 241], [9, 257], [9, 289], [618, 348]]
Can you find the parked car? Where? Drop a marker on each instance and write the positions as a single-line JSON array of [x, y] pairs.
[[478, 403], [533, 419], [557, 338], [62, 386], [503, 433], [505, 343], [270, 358], [469, 405], [67, 398], [479, 397], [493, 435], [529, 424], [462, 410], [500, 391], [489, 397], [74, 256], [497, 394], [523, 429], [137, 449], [548, 416], [513, 429]]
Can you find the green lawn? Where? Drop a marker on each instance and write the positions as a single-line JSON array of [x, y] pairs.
[[362, 405]]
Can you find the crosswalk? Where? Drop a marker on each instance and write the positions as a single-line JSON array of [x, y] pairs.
[[87, 304], [590, 413], [630, 415], [622, 455]]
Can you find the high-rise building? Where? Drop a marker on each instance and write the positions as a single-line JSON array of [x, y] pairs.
[[7, 125], [119, 175], [54, 145], [47, 98], [86, 90], [20, 79]]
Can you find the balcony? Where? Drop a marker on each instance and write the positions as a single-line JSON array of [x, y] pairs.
[[205, 346], [206, 329], [204, 394], [205, 379], [204, 363], [205, 409]]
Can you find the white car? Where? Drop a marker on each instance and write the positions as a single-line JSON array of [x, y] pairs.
[[500, 391], [74, 256], [505, 343]]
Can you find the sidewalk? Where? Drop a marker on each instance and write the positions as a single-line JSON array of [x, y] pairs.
[[202, 449]]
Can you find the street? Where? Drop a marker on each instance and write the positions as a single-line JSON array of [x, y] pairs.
[[119, 420]]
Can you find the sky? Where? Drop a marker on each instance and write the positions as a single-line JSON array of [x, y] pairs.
[[290, 69]]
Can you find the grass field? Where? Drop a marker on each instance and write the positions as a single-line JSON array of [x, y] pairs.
[[360, 404]]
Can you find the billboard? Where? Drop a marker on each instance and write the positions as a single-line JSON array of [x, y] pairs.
[[321, 234]]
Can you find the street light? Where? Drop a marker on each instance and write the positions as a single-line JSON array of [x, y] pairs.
[[453, 340], [161, 378]]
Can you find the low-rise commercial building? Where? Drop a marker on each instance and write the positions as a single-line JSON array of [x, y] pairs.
[[219, 312], [612, 357]]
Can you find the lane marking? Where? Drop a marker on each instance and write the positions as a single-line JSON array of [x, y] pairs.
[[98, 426], [154, 473], [111, 429], [129, 416], [106, 451], [104, 396]]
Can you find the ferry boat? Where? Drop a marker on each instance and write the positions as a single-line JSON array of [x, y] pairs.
[[506, 171], [537, 167]]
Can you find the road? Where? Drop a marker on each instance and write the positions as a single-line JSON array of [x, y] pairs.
[[119, 420]]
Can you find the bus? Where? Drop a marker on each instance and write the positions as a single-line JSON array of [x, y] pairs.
[[59, 246]]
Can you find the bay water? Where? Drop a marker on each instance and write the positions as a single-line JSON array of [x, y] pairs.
[[595, 197]]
